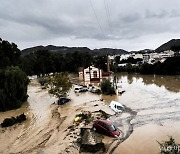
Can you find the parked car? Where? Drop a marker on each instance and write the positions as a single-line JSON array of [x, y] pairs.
[[106, 127], [90, 87], [116, 106], [85, 88], [80, 89], [93, 90], [63, 100], [77, 89]]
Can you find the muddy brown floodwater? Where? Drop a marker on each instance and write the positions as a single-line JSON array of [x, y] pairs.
[[156, 101], [152, 114]]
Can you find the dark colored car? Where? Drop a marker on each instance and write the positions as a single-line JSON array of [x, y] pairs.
[[105, 127], [63, 100], [82, 90], [85, 88]]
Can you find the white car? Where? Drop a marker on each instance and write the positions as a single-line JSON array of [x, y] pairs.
[[90, 88], [77, 89], [116, 106], [93, 90]]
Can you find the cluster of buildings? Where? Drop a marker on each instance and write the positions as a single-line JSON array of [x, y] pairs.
[[149, 58], [92, 73]]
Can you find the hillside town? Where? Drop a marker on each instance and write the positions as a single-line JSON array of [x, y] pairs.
[[146, 57]]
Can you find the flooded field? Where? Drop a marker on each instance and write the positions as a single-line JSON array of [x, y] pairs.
[[152, 114]]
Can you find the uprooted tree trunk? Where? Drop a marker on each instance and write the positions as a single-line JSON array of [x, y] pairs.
[[91, 141]]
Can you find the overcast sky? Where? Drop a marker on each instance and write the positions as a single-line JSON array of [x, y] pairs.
[[126, 24]]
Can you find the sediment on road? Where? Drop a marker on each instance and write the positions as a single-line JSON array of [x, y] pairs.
[[51, 128]]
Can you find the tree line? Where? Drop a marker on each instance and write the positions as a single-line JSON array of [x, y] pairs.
[[13, 81], [43, 62]]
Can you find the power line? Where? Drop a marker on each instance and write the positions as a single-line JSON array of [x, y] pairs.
[[96, 17], [108, 15]]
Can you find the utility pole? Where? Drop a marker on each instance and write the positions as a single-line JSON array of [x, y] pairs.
[[108, 64]]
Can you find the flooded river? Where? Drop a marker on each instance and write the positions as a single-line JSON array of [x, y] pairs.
[[153, 113], [156, 101]]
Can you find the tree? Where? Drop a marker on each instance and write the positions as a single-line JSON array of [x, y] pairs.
[[101, 62], [107, 88], [43, 64], [169, 147], [76, 59], [59, 84], [147, 69], [27, 64], [131, 60], [59, 62], [13, 88], [9, 54], [117, 59]]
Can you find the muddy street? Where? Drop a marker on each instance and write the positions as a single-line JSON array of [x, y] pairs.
[[48, 128], [152, 112]]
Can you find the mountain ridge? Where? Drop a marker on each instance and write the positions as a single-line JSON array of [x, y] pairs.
[[172, 44], [65, 49]]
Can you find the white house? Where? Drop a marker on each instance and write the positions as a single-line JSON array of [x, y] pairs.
[[136, 56], [126, 56], [146, 57], [90, 74], [169, 52]]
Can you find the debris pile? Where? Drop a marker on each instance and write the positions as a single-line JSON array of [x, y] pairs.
[[13, 120], [91, 141]]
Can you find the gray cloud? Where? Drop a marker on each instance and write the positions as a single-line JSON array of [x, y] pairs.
[[161, 14], [73, 22], [135, 17]]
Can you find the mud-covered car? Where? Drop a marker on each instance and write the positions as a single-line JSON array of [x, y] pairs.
[[116, 106], [105, 127], [63, 100]]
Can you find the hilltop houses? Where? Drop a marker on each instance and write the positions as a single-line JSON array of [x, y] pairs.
[[149, 58], [155, 57]]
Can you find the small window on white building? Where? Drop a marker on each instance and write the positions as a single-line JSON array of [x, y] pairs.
[[95, 74]]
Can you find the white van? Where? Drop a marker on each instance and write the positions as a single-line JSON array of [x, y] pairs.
[[116, 106]]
